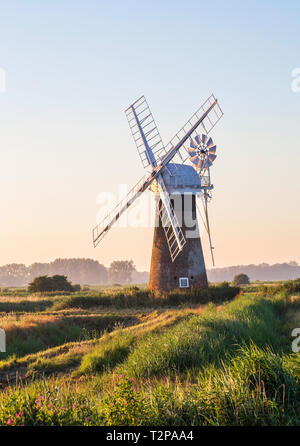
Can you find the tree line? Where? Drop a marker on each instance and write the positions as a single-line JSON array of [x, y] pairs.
[[264, 271], [78, 271], [91, 272]]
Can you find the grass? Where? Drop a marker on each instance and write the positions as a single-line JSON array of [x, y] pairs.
[[32, 333], [199, 341], [177, 359], [289, 287], [134, 297], [111, 352], [25, 306]]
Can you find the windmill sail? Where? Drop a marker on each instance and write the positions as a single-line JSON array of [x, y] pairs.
[[108, 221], [206, 117], [145, 132], [170, 224], [173, 232]]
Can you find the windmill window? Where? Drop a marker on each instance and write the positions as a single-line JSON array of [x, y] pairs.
[[184, 282]]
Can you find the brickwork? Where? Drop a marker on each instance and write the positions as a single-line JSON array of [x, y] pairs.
[[165, 274]]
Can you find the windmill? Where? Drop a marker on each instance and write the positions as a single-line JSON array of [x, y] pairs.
[[177, 256]]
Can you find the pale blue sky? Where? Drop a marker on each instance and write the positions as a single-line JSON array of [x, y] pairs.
[[72, 67]]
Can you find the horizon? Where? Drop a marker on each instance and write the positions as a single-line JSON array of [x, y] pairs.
[[292, 263]]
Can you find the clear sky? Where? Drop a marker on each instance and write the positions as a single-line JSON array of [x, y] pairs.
[[72, 67]]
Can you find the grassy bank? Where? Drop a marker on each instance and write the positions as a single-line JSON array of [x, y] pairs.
[[32, 333], [225, 364], [118, 298], [134, 297]]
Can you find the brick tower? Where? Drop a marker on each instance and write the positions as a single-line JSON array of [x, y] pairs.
[[188, 269]]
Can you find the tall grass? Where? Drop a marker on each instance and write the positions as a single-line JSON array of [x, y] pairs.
[[30, 335], [25, 306], [134, 297], [288, 287], [203, 340], [256, 387], [112, 351]]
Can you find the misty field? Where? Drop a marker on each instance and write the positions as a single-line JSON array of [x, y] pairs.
[[126, 356]]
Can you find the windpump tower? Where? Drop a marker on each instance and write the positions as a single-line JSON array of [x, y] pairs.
[[177, 258]]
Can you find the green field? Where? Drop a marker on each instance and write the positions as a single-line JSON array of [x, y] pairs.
[[125, 356]]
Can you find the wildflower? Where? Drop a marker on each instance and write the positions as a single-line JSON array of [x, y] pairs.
[[121, 376], [130, 379], [9, 421], [87, 418], [74, 405]]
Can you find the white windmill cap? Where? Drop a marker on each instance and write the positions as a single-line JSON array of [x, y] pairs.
[[181, 178]]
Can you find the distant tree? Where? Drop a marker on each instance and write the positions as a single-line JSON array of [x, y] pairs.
[[241, 279], [13, 274], [54, 283], [83, 271], [38, 269], [121, 271]]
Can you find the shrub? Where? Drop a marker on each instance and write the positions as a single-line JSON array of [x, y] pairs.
[[241, 279], [54, 283]]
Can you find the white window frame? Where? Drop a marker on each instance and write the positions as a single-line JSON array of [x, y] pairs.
[[185, 280]]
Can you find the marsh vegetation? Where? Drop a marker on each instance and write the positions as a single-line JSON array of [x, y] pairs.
[[125, 356]]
